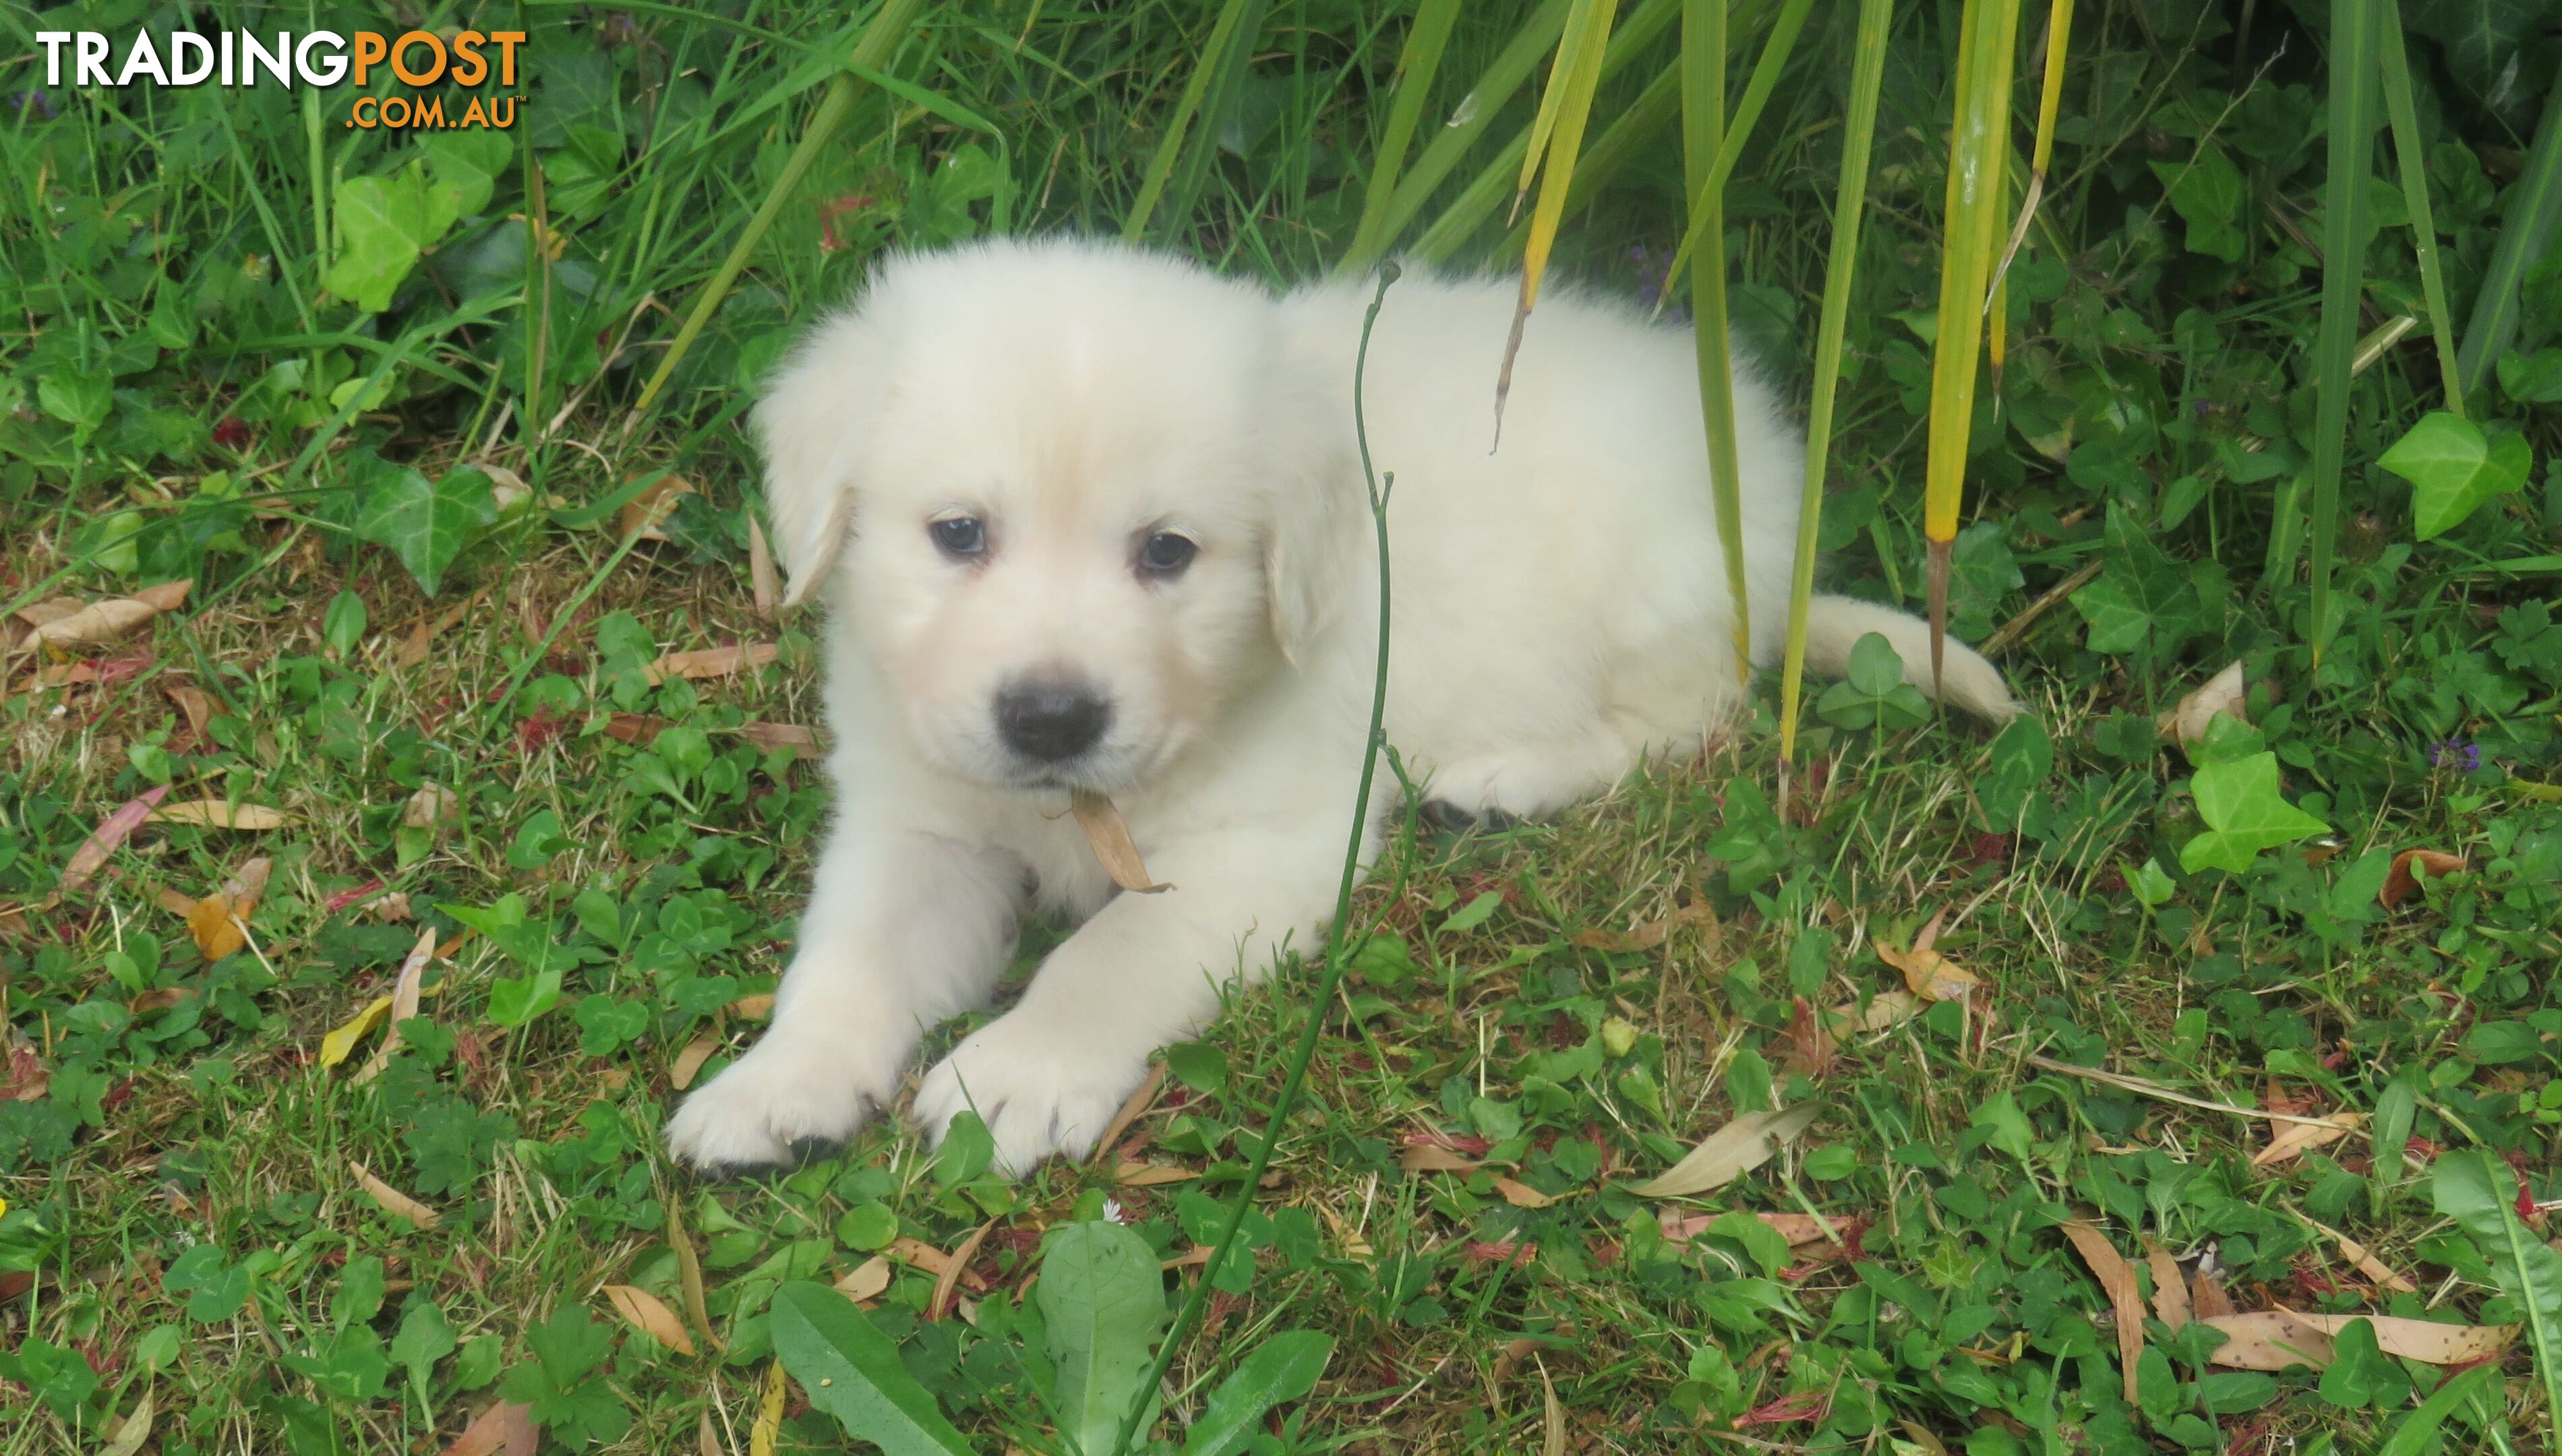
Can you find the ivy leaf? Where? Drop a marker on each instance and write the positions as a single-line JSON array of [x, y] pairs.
[[2245, 815], [424, 522], [468, 162], [2532, 379], [381, 223], [2207, 195], [2452, 469]]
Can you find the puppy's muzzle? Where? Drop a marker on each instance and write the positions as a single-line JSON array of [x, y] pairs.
[[1052, 721]]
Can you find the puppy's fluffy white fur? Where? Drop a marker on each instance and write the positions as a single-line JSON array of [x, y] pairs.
[[1561, 611]]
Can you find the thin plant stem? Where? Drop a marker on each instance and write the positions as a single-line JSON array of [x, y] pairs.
[[1330, 977]]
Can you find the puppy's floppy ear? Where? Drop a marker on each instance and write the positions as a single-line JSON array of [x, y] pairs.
[[1308, 548], [807, 423]]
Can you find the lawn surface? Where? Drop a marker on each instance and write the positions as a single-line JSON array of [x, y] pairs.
[[2085, 1026]]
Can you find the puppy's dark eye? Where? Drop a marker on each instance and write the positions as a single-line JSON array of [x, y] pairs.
[[961, 536], [1166, 554]]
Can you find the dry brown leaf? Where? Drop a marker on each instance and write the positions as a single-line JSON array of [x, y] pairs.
[[707, 1442], [1553, 1422], [751, 1008], [1347, 1237], [219, 921], [711, 661], [1433, 1158], [762, 579], [393, 908], [421, 640], [191, 701], [689, 1062], [2170, 1286], [953, 1267], [2271, 1340], [1109, 834], [508, 1428], [1887, 1009], [637, 729], [2400, 883], [1137, 1175], [1799, 1229], [176, 902], [771, 736], [52, 609], [2185, 724], [1647, 936], [341, 1040], [644, 1311], [2206, 1297], [643, 514], [2382, 1274], [392, 1199], [157, 999], [432, 806], [769, 1413], [1729, 1153], [2125, 1297], [922, 1255], [1810, 1041], [689, 1276], [91, 855], [1930, 976], [1522, 1195], [1132, 1108], [221, 813], [132, 1431], [2292, 1140], [866, 1281], [506, 487], [405, 993], [101, 621], [28, 1077]]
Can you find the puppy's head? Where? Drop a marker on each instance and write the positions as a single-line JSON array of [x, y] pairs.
[[1073, 498]]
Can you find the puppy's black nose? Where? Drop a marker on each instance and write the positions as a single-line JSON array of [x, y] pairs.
[[1051, 721]]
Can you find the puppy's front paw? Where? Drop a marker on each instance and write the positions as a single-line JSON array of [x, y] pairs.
[[1041, 1089], [785, 1092]]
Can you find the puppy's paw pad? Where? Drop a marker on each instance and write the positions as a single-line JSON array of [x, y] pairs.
[[1038, 1091], [764, 1107]]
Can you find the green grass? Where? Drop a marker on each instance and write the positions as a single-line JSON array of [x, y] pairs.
[[1570, 1006]]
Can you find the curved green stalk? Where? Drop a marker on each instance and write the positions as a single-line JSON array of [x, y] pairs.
[[1867, 74], [1331, 957]]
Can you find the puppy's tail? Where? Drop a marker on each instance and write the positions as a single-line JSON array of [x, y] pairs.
[[1835, 623]]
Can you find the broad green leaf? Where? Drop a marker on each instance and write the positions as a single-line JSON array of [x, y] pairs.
[[2476, 1191], [2207, 194], [2532, 379], [967, 1148], [2452, 469], [425, 1338], [852, 1372], [1282, 1369], [1103, 1300], [426, 522], [517, 1000], [468, 162], [80, 398], [2244, 814], [382, 225]]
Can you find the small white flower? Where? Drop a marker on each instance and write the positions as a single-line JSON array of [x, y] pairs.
[[1111, 1211]]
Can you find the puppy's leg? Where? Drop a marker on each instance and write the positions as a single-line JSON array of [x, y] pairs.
[[1048, 1075], [903, 930]]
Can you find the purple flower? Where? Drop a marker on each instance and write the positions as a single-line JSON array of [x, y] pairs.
[[2460, 754], [43, 104], [1653, 272]]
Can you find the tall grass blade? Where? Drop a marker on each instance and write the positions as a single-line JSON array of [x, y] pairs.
[[1486, 192], [1417, 66], [1230, 33], [1578, 74], [1850, 205], [1978, 151], [1757, 93], [873, 50], [1553, 101], [2534, 208], [2353, 67], [1702, 97], [2405, 115], [1502, 76], [2050, 100]]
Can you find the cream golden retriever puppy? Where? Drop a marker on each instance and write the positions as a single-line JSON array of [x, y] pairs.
[[1086, 517]]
